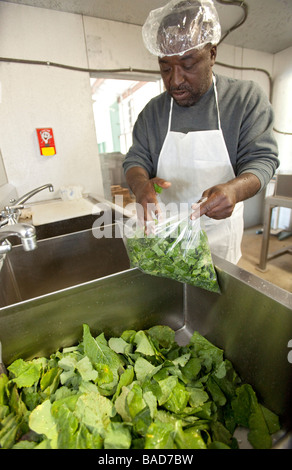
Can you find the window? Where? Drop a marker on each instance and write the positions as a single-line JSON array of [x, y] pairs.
[[116, 105]]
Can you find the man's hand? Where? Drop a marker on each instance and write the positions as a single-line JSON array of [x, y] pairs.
[[221, 199], [218, 203], [144, 191], [146, 196]]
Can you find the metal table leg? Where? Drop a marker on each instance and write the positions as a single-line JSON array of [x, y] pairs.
[[266, 236]]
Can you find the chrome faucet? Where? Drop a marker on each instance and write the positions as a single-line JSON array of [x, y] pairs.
[[28, 195], [10, 214], [25, 232], [9, 225]]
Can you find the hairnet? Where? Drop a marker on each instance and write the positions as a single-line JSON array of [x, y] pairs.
[[181, 25]]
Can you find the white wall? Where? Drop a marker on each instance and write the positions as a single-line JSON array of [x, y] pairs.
[[35, 96], [39, 96], [113, 45], [245, 58], [282, 103]]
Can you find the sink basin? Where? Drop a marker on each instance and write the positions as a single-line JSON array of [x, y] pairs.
[[251, 320], [59, 262]]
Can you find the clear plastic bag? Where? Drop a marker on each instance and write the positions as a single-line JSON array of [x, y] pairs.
[[175, 247]]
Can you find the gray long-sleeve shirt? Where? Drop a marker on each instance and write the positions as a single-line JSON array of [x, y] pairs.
[[246, 121]]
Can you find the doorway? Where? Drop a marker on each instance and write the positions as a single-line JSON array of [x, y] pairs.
[[116, 106]]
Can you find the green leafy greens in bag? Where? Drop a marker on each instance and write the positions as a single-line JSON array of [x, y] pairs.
[[174, 248], [139, 390]]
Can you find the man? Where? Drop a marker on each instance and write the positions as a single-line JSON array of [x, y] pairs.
[[207, 138]]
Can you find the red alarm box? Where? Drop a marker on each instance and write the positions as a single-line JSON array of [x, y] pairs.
[[46, 141]]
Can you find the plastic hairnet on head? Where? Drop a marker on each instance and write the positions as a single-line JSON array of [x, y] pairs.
[[181, 25]]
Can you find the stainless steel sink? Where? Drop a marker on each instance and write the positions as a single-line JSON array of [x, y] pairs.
[[58, 263], [74, 278], [251, 319]]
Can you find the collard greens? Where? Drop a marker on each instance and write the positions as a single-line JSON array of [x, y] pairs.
[[177, 249], [139, 390]]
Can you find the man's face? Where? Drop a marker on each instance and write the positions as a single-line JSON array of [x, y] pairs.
[[189, 76]]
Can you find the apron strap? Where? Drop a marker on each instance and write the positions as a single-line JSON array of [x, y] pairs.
[[170, 115], [217, 104]]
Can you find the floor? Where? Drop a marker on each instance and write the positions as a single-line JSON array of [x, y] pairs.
[[279, 270]]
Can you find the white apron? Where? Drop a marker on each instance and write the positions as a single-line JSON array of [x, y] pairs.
[[194, 162]]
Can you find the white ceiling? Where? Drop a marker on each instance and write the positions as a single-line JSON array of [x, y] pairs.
[[268, 27]]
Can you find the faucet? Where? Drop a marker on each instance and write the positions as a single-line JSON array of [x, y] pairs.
[[9, 225], [25, 232], [10, 214], [28, 195]]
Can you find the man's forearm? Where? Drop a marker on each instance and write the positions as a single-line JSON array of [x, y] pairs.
[[245, 186], [136, 177], [221, 198]]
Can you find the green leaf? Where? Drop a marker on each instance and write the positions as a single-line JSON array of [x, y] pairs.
[[243, 405], [117, 436], [50, 380], [158, 189], [221, 434], [135, 401], [144, 369], [42, 422], [197, 397], [8, 431], [182, 360], [249, 413], [84, 439], [143, 344], [159, 436], [103, 358], [163, 335], [216, 392], [86, 370], [25, 373], [24, 445], [166, 386], [3, 383], [271, 419], [178, 399], [141, 421], [125, 379], [192, 368], [31, 398], [218, 445], [67, 426], [95, 411], [259, 435], [4, 411], [16, 403], [97, 350], [119, 346], [211, 357], [121, 405], [189, 438], [151, 402]]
